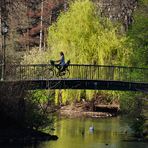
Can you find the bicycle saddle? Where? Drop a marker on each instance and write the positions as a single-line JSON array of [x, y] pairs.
[[68, 62]]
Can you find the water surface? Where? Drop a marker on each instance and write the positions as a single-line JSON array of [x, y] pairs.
[[108, 133]]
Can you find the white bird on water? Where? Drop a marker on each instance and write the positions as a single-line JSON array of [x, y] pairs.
[[91, 128]]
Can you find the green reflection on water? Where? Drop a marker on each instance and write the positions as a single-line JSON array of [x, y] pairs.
[[75, 133]]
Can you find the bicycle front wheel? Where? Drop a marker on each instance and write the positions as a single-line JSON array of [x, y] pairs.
[[48, 73]]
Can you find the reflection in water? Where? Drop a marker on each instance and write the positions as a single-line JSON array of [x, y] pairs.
[[76, 133]]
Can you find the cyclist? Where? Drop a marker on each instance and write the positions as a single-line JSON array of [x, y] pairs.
[[61, 64]]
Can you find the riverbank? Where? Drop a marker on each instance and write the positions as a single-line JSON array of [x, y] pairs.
[[23, 136], [89, 109]]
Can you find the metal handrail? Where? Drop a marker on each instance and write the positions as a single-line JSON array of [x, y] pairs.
[[117, 66]]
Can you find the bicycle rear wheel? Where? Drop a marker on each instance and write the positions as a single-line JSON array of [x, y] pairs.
[[48, 73]]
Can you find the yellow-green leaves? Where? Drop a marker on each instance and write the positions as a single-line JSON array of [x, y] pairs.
[[84, 36]]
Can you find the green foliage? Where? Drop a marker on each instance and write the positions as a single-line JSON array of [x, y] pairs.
[[138, 35], [42, 96], [143, 2], [35, 56], [37, 104], [67, 96], [128, 102], [137, 40], [138, 126], [84, 36]]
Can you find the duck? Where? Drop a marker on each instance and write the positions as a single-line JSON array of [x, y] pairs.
[[91, 128]]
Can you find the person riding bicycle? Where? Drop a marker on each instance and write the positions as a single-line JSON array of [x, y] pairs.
[[62, 66], [62, 63]]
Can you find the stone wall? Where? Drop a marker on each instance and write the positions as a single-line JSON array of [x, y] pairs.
[[118, 10]]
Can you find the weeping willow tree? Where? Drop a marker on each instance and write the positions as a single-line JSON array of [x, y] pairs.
[[85, 38]]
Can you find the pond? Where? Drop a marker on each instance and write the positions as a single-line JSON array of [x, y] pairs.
[[108, 133]]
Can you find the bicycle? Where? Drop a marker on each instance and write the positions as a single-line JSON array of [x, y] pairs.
[[56, 70]]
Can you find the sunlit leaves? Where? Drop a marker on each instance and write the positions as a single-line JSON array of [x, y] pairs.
[[85, 38], [83, 35], [138, 35]]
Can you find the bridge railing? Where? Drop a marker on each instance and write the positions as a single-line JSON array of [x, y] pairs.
[[115, 73], [93, 72]]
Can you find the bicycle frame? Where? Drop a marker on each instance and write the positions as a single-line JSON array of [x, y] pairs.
[[60, 71]]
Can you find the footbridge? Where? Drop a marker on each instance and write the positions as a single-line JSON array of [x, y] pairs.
[[92, 77]]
